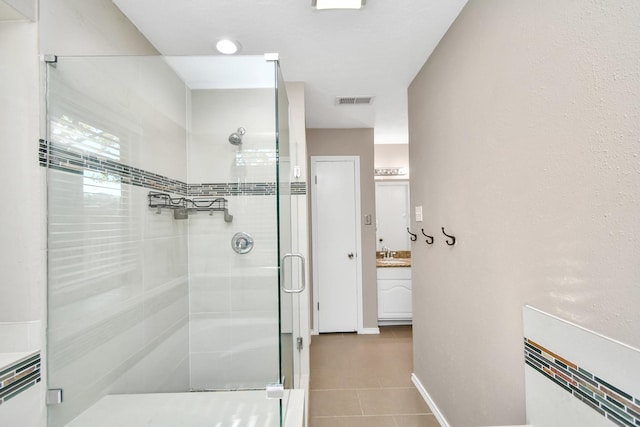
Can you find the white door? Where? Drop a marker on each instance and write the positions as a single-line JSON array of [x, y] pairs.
[[336, 242]]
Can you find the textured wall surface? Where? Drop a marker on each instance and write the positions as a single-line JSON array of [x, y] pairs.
[[524, 143]]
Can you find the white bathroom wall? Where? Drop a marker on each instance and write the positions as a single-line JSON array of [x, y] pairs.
[[88, 27], [27, 8], [22, 233], [524, 130], [234, 298], [22, 260]]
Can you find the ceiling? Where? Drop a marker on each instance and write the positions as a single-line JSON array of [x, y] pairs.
[[375, 51]]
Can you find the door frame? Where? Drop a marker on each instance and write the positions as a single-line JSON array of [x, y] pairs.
[[314, 232]]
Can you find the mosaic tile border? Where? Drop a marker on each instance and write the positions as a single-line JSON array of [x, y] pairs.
[[18, 377], [68, 161], [609, 401], [65, 160], [244, 189], [232, 189], [299, 188]]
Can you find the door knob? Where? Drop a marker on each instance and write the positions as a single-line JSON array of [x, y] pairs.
[[350, 255]]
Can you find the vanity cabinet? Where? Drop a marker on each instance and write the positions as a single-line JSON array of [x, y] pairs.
[[394, 295]]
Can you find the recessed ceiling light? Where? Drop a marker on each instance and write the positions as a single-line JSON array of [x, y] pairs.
[[228, 47], [337, 4]]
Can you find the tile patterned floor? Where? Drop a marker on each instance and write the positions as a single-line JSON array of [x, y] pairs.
[[365, 381]]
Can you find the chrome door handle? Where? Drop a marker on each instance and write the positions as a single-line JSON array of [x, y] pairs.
[[350, 255], [302, 282]]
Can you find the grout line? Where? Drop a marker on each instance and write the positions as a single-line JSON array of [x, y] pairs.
[[332, 343], [359, 402]]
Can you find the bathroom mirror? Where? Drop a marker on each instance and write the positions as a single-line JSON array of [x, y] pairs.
[[392, 215]]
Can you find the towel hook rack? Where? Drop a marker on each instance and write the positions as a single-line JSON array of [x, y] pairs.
[[414, 237], [429, 238], [451, 239]]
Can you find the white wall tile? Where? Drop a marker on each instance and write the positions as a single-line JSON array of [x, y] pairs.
[[614, 362], [25, 410], [22, 256], [218, 113], [20, 336], [548, 405], [211, 332], [209, 293], [254, 294], [211, 371]]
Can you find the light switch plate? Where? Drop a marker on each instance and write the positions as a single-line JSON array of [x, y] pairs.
[[418, 213]]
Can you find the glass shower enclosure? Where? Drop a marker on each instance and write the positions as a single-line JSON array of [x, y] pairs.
[[169, 235]]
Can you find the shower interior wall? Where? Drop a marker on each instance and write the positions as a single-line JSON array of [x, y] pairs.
[[149, 275], [234, 298]]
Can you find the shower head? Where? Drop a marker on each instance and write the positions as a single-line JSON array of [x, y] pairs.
[[236, 137]]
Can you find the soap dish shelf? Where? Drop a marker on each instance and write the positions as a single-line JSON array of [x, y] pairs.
[[182, 206]]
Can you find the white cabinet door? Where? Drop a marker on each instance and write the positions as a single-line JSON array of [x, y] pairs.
[[394, 294]]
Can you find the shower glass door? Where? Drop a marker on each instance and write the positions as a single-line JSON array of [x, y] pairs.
[[288, 280], [149, 183]]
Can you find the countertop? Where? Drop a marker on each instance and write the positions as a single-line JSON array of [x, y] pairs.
[[400, 259]]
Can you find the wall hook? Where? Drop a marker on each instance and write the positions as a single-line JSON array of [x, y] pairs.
[[414, 237], [429, 238], [452, 239]]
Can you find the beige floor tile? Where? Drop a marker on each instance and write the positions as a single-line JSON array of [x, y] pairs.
[[333, 403], [365, 380], [345, 380], [402, 331], [395, 380], [377, 421], [387, 401], [416, 421]]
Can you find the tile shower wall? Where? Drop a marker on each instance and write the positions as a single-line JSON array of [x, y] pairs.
[[577, 377], [234, 305], [118, 289]]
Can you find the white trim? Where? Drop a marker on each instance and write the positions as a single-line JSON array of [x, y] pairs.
[[359, 290], [295, 412], [368, 331], [432, 405]]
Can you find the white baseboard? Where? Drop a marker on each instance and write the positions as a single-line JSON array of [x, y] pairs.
[[432, 405]]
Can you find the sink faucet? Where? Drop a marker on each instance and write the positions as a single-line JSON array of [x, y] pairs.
[[386, 252]]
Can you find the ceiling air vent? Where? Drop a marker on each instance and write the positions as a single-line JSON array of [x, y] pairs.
[[354, 100]]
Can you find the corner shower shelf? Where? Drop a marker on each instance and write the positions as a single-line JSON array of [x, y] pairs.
[[182, 206]]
